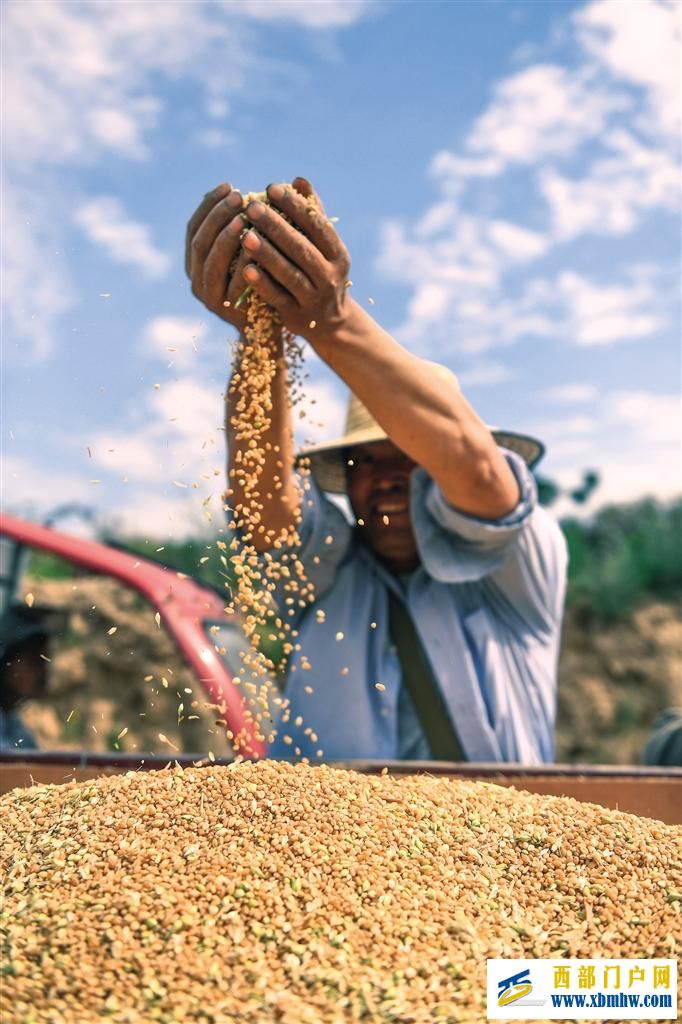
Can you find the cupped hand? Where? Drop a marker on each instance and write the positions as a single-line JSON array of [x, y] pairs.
[[212, 242], [299, 268]]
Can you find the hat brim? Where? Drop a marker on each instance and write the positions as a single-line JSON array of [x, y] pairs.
[[327, 463]]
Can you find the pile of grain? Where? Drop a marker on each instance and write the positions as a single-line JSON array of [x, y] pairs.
[[274, 892]]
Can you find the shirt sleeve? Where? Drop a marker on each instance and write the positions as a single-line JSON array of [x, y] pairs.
[[520, 559]]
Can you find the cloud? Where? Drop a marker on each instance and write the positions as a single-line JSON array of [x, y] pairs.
[[570, 394], [171, 454], [126, 509], [651, 418], [20, 494], [518, 243], [485, 373], [36, 291], [602, 315], [540, 112], [82, 83], [544, 110], [322, 14], [640, 43], [215, 138], [324, 409], [104, 222], [541, 123], [175, 339], [573, 427], [635, 448], [616, 192], [175, 434], [121, 130]]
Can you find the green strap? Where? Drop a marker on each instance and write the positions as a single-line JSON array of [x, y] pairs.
[[420, 681]]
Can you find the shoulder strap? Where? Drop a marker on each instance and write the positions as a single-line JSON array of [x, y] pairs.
[[423, 688]]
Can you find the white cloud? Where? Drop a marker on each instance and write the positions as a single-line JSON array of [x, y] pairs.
[[602, 315], [636, 450], [516, 242], [149, 514], [215, 138], [453, 169], [540, 112], [81, 82], [570, 394], [546, 113], [324, 407], [123, 508], [104, 222], [611, 199], [571, 428], [429, 302], [439, 217], [175, 339], [639, 42], [21, 495], [120, 130], [174, 435], [35, 291], [485, 373], [321, 14], [654, 419], [634, 443], [545, 110]]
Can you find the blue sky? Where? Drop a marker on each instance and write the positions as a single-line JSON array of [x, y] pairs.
[[506, 178]]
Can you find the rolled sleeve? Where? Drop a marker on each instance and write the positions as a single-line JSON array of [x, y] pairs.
[[456, 547]]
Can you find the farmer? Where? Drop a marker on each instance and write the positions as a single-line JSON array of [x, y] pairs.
[[443, 605]]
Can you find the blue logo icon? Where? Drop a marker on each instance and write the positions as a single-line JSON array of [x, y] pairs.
[[513, 988]]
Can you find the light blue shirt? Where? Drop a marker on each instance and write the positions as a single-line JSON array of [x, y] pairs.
[[14, 735], [486, 601]]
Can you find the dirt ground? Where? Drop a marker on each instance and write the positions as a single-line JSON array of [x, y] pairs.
[[612, 681]]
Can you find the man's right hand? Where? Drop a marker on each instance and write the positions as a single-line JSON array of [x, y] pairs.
[[212, 242]]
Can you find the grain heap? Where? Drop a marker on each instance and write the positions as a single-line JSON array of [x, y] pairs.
[[275, 892], [255, 368]]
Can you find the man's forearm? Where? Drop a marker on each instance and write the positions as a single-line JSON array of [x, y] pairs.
[[261, 485], [423, 414]]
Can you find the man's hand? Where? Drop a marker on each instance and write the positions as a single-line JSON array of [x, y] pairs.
[[211, 244], [302, 273]]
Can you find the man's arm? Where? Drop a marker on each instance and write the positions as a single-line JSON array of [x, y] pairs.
[[273, 511], [303, 275], [212, 243]]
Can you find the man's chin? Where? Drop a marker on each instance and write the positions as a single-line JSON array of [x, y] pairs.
[[398, 549]]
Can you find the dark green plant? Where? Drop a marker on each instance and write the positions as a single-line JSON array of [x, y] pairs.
[[625, 555]]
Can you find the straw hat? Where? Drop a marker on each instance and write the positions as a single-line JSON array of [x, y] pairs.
[[327, 462]]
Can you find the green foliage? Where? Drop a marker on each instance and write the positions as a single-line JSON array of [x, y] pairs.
[[625, 555], [45, 566], [195, 558], [549, 490]]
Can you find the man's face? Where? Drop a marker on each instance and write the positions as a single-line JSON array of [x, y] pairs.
[[378, 478]]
